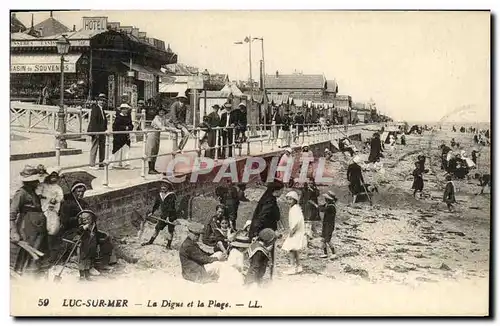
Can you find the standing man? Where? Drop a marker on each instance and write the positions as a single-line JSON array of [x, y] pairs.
[[375, 148], [165, 201], [177, 117], [214, 122], [98, 122], [242, 123], [286, 123], [193, 258], [299, 125], [275, 121]]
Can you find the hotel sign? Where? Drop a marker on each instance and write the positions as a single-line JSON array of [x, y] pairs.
[[95, 23], [41, 68], [45, 43]]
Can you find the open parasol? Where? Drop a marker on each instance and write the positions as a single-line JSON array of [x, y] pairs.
[[67, 180]]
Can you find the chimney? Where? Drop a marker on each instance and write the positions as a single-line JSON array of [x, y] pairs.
[[51, 16], [40, 31], [277, 73], [32, 17], [74, 28]]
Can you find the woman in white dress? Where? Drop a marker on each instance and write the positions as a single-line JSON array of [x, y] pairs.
[[296, 240], [159, 124]]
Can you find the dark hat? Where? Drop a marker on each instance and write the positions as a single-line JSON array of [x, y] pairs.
[[275, 185], [195, 228], [87, 211], [161, 108], [216, 106], [181, 96], [267, 235]]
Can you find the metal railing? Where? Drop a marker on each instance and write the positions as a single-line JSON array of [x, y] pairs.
[[312, 133]]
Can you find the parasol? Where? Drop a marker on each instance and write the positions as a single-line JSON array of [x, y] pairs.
[[67, 180]]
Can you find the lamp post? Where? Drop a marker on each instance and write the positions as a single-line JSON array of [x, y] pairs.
[[206, 78], [263, 73], [62, 49]]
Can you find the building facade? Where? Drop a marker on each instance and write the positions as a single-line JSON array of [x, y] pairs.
[[104, 57]]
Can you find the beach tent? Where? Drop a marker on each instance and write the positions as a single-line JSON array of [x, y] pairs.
[[229, 90]]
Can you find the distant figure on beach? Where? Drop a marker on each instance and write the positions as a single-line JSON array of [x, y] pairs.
[[418, 180], [449, 193]]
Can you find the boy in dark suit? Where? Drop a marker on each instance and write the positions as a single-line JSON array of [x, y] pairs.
[[98, 122], [165, 201]]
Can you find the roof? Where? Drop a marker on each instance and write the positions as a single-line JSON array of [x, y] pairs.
[[358, 106], [331, 86], [21, 36], [180, 69], [16, 25], [51, 26], [295, 81], [231, 90]]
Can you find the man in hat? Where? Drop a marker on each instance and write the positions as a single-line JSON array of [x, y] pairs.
[[193, 258], [286, 123], [214, 122], [98, 122], [177, 117], [299, 122], [229, 120], [241, 126], [165, 201], [27, 221], [260, 252], [275, 122]]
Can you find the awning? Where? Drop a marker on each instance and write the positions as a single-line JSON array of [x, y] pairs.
[[173, 88], [144, 73], [42, 63]]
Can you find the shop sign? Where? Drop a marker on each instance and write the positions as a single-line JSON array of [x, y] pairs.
[[45, 43], [111, 91], [41, 68], [145, 76], [195, 82]]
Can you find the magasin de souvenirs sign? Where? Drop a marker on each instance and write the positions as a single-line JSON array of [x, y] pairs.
[[40, 68]]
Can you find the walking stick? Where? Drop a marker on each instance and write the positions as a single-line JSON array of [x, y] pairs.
[[58, 277], [273, 261], [367, 194]]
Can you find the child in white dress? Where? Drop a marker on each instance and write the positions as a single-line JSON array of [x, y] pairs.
[[296, 240], [51, 196]]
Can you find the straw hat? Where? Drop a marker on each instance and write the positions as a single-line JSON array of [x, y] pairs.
[[125, 106], [356, 159], [195, 228], [288, 150], [29, 173], [241, 241], [293, 194]]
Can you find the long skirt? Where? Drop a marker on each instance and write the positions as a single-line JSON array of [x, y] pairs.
[[153, 145]]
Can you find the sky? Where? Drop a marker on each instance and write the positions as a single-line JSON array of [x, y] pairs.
[[416, 66]]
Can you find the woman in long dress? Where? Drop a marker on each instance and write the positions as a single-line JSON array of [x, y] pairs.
[[296, 240], [121, 142], [159, 124]]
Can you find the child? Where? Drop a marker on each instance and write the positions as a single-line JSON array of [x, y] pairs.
[[51, 196], [449, 193], [329, 214], [223, 236], [418, 180], [259, 254], [403, 140], [88, 246], [296, 240], [165, 201]]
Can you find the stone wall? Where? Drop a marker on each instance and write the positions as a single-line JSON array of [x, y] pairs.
[[117, 208]]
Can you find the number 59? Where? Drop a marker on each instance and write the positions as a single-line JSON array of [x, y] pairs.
[[43, 302]]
